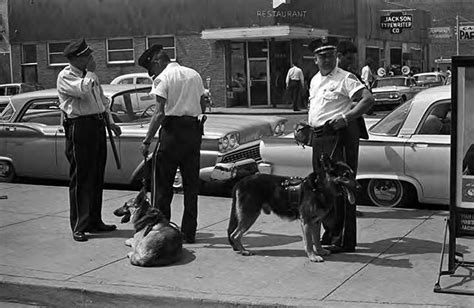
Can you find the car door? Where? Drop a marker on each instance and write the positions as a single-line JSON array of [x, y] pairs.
[[31, 139], [427, 153]]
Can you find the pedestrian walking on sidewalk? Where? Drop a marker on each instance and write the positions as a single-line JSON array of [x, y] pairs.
[[332, 91], [180, 99], [84, 108], [295, 85], [366, 73]]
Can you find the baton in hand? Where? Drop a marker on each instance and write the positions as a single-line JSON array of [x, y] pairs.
[[112, 142]]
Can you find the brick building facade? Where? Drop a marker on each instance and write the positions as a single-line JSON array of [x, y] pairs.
[[205, 36]]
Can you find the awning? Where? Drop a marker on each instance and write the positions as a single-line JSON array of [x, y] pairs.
[[251, 33]]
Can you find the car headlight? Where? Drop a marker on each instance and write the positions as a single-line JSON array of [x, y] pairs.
[[394, 96], [229, 142]]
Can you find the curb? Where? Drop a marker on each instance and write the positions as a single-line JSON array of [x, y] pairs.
[[50, 296]]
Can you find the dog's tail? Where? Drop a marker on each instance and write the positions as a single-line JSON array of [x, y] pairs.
[[233, 221]]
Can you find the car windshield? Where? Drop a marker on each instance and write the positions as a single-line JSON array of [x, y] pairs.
[[390, 125], [133, 106], [7, 113], [389, 82], [426, 78]]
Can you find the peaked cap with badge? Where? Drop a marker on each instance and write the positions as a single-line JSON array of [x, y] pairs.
[[145, 58], [323, 45], [77, 48]]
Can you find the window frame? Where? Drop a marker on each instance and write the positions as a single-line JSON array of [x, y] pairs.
[[427, 113], [55, 53], [131, 61], [165, 48]]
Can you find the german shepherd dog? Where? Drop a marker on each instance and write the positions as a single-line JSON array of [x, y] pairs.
[[269, 193], [156, 242]]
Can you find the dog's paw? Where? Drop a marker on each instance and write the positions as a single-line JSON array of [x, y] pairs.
[[246, 253], [323, 252], [129, 242], [313, 257]]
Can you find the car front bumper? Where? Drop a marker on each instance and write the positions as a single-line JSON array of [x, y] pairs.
[[224, 172]]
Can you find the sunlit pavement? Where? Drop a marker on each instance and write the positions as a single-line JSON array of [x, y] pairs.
[[395, 265]]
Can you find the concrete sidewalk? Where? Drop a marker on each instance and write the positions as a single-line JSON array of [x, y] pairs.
[[395, 265]]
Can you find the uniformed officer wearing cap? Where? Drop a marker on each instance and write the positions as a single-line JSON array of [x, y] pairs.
[[84, 107], [331, 93], [180, 99]]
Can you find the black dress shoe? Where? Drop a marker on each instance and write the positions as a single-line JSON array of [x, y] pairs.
[[102, 228], [79, 236], [189, 239]]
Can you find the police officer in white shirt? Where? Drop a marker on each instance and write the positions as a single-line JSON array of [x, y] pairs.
[[332, 91], [85, 109], [180, 99], [295, 84]]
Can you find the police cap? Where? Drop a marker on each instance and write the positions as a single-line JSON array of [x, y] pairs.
[[77, 48], [323, 45], [146, 56]]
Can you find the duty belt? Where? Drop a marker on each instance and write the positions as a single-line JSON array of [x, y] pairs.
[[95, 116]]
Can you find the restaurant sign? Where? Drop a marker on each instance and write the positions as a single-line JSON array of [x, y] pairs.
[[396, 21]]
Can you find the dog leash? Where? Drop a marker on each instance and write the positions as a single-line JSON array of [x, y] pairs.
[[326, 129]]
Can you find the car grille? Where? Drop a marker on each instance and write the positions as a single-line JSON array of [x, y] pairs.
[[384, 95], [251, 152]]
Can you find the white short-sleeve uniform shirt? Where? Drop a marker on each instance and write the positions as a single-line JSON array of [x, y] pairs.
[[331, 95], [182, 88]]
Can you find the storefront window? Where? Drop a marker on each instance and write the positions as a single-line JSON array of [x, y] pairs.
[[237, 89]]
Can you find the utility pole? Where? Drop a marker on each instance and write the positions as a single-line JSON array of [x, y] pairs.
[[457, 35]]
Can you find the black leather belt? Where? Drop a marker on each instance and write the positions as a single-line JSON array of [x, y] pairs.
[[180, 120], [323, 130], [96, 116]]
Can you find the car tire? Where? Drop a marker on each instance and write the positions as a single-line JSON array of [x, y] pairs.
[[8, 173], [389, 193]]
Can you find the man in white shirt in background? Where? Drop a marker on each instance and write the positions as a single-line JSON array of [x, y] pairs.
[[366, 73], [295, 84]]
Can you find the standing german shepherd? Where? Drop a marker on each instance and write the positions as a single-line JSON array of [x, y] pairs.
[[156, 242], [315, 200]]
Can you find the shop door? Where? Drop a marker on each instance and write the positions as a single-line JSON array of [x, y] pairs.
[[258, 85]]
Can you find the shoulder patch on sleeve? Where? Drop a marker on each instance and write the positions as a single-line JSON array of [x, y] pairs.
[[352, 77], [156, 82]]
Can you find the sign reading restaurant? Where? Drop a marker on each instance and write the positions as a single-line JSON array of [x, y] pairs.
[[396, 21]]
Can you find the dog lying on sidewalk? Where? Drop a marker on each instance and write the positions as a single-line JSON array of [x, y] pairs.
[[156, 242], [310, 199]]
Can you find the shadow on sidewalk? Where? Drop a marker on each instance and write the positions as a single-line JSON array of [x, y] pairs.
[[251, 239], [125, 234]]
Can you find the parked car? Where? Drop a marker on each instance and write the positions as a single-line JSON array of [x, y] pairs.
[[133, 78], [10, 89], [32, 138], [430, 79], [405, 159], [4, 100], [392, 91]]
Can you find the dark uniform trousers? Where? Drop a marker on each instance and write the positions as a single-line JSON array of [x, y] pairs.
[[180, 145], [294, 92], [86, 151], [341, 231]]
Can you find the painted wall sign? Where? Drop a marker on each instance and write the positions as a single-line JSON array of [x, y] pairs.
[[440, 32], [466, 32], [396, 21]]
